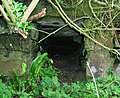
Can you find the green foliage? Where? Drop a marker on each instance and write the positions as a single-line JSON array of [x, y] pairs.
[[18, 11], [27, 84], [70, 3], [42, 81], [107, 88], [110, 71], [4, 91], [41, 67]]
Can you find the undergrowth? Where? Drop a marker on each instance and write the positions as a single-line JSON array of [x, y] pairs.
[[41, 81]]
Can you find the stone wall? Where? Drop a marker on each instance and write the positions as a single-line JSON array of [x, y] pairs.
[[98, 58], [15, 50]]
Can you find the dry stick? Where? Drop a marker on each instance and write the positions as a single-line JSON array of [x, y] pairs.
[[101, 29], [9, 1], [49, 34], [52, 33], [101, 3], [106, 4], [79, 2], [111, 20], [105, 1], [116, 39], [76, 27], [39, 15], [8, 9], [42, 31], [4, 14], [109, 84], [29, 10], [93, 80], [95, 14]]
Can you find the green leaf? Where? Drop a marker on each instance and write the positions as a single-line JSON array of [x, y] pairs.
[[30, 27], [22, 25], [38, 63], [19, 14], [24, 69]]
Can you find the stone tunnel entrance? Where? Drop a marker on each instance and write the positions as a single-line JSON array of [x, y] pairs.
[[65, 48], [67, 56]]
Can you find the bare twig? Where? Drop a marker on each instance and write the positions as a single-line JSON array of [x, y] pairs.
[[4, 14], [39, 15], [100, 2], [22, 34], [101, 29], [79, 29], [8, 9], [49, 34], [111, 20], [93, 80], [42, 31], [29, 10], [9, 2], [95, 14], [106, 4], [109, 84], [52, 33]]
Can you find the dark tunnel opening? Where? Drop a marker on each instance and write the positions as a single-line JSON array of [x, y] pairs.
[[65, 48], [66, 55], [61, 46]]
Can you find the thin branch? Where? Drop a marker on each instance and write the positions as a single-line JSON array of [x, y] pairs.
[[105, 1], [4, 14], [8, 9], [39, 15], [79, 2], [29, 10], [106, 4], [52, 33], [95, 14], [41, 31], [100, 3], [101, 29], [93, 80], [77, 28], [109, 84], [49, 34], [9, 2], [111, 20], [73, 25]]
